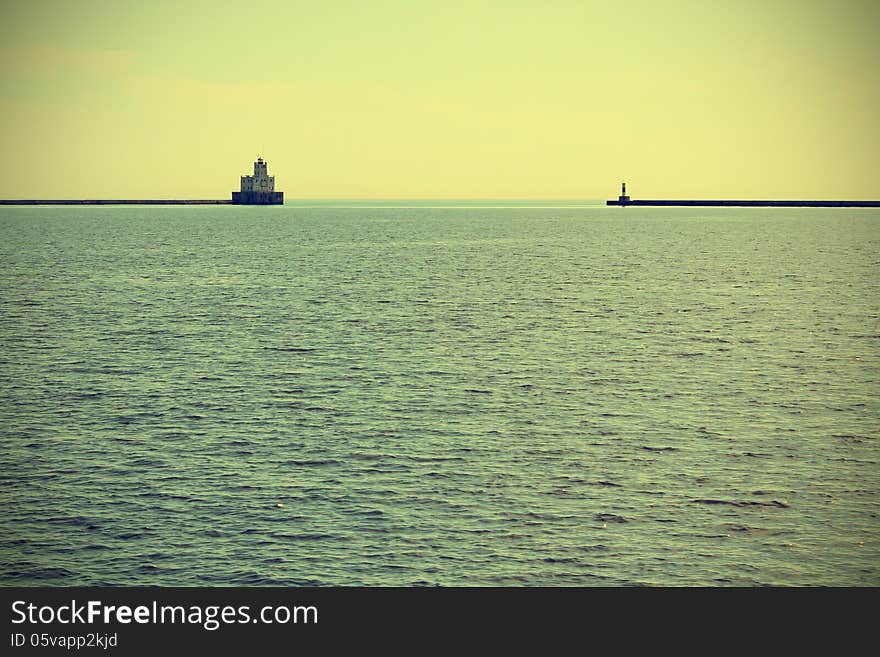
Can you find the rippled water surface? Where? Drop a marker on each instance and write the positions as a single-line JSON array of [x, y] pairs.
[[439, 395]]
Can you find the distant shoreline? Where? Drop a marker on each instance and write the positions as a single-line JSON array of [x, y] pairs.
[[476, 203]]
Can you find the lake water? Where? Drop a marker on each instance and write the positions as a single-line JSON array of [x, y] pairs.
[[484, 395]]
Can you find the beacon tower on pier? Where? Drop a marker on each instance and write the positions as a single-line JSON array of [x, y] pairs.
[[258, 189]]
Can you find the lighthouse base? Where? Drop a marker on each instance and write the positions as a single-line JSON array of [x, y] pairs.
[[258, 198]]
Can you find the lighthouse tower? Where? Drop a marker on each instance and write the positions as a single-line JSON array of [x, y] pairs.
[[258, 189], [623, 199]]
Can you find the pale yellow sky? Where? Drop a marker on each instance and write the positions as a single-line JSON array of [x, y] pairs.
[[541, 99]]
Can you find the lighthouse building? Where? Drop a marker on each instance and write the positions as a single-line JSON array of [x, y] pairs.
[[258, 189]]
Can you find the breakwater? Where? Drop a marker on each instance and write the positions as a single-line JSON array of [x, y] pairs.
[[751, 204], [115, 202]]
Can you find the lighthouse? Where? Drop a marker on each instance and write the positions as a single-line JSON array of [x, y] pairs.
[[258, 189]]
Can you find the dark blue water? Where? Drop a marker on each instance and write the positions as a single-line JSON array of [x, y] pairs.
[[439, 395]]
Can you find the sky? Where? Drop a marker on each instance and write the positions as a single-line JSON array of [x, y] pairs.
[[545, 99]]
